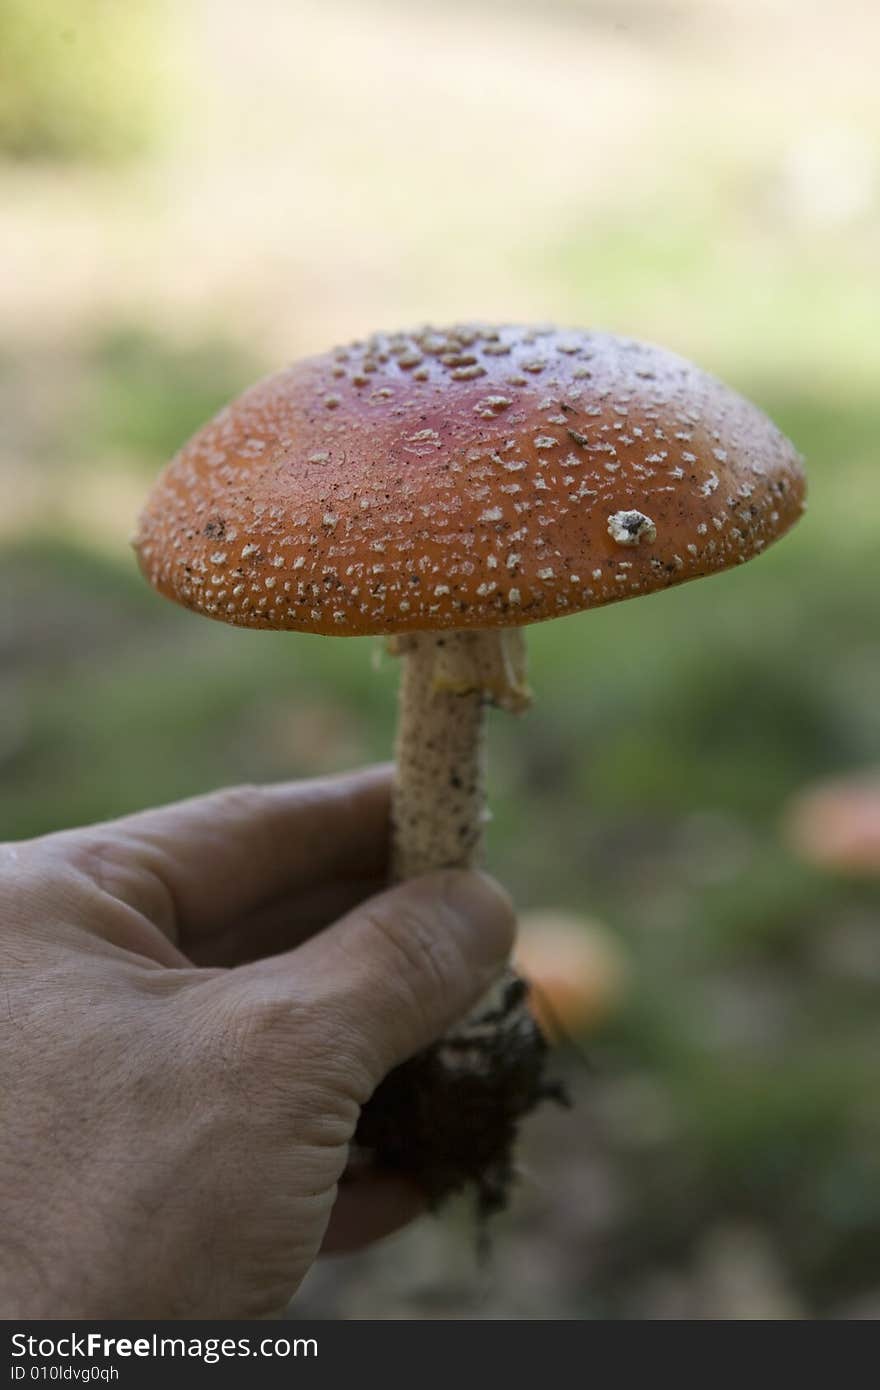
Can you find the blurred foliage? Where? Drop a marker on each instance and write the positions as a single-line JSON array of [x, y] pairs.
[[144, 396], [79, 79]]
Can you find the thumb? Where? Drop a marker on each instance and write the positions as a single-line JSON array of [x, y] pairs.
[[391, 976]]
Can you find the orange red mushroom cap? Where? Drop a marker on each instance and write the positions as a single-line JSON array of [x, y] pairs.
[[465, 478]]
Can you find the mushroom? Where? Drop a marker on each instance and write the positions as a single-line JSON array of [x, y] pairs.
[[445, 488], [836, 825], [576, 969]]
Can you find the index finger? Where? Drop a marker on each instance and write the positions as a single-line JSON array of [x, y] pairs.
[[231, 853]]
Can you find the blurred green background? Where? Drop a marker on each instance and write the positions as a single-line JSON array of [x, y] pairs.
[[194, 193]]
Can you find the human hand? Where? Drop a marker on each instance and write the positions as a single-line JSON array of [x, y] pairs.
[[185, 1049]]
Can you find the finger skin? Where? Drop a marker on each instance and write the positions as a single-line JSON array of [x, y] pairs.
[[391, 976], [199, 867]]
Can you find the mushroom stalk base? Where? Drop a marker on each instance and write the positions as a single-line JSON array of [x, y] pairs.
[[449, 1117]]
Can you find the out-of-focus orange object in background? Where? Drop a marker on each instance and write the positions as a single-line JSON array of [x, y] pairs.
[[836, 825], [576, 968]]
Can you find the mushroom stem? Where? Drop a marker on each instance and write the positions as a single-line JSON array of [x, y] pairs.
[[439, 803], [450, 1115]]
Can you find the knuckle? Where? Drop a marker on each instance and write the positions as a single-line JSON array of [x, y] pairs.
[[412, 948], [278, 1059], [123, 870], [257, 1028], [243, 801]]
